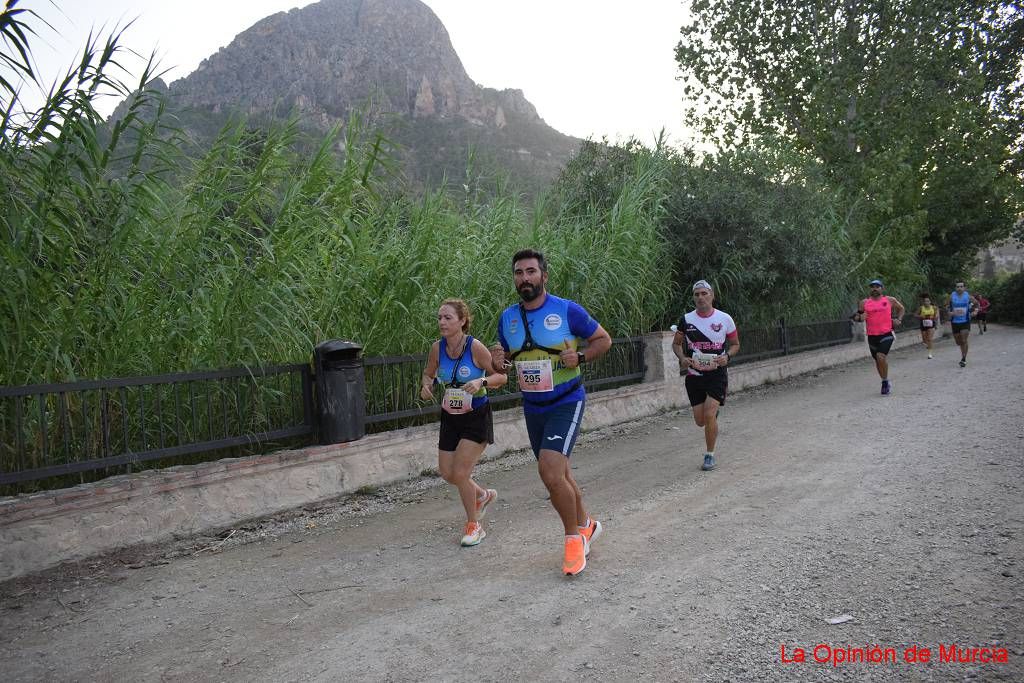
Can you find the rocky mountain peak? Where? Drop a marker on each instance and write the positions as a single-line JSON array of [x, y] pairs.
[[391, 59], [327, 58]]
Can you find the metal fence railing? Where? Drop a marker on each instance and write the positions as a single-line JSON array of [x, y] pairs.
[[392, 384], [51, 430], [783, 339], [48, 430]]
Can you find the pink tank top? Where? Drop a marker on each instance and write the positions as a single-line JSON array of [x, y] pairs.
[[877, 316]]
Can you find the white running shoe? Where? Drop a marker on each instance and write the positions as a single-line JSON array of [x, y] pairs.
[[473, 534]]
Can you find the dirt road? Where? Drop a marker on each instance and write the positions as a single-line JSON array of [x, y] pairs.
[[904, 512]]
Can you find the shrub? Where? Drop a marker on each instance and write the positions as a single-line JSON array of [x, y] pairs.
[[1008, 300]]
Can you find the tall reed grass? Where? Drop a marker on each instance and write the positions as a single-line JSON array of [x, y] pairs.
[[121, 256]]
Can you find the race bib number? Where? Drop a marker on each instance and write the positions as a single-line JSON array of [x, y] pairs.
[[704, 361], [535, 375], [959, 312], [456, 401], [927, 322]]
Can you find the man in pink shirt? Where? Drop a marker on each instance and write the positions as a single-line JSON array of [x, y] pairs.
[[879, 312]]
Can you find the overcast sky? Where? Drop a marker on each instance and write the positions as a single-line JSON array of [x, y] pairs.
[[591, 67]]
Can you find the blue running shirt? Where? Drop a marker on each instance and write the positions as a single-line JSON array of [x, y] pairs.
[[960, 305], [552, 325]]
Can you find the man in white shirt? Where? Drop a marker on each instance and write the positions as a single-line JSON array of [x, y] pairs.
[[700, 345]]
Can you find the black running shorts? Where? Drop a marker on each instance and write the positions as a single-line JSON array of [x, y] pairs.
[[961, 327], [713, 384], [880, 343], [476, 425]]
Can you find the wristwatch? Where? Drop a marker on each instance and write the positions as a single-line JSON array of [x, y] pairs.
[[484, 382], [581, 357]]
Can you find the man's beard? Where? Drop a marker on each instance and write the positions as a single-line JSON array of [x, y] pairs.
[[528, 292]]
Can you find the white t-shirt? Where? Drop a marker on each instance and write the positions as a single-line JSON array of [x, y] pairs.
[[707, 335]]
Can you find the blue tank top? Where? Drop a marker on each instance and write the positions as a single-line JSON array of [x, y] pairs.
[[557, 323], [462, 369], [957, 302]]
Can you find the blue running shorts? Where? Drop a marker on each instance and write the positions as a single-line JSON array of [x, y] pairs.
[[555, 429]]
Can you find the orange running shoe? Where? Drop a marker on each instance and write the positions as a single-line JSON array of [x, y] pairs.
[[473, 534], [481, 504], [591, 533], [575, 555]]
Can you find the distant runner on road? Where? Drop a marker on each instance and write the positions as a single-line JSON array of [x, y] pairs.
[[700, 345], [541, 336], [879, 313], [982, 317], [928, 315], [961, 306], [461, 367]]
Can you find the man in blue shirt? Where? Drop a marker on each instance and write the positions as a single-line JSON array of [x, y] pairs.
[[961, 306], [540, 338]]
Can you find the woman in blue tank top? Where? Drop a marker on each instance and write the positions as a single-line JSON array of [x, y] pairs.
[[461, 368]]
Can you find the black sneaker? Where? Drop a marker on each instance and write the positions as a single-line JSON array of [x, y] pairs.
[[963, 362], [886, 387]]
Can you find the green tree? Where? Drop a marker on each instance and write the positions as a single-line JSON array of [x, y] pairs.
[[901, 101], [766, 229]]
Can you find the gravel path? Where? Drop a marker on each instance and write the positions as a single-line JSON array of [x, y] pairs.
[[903, 512]]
